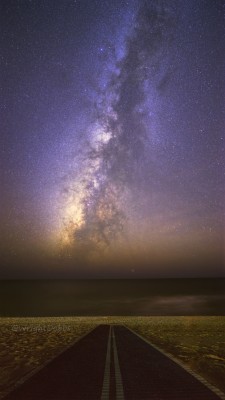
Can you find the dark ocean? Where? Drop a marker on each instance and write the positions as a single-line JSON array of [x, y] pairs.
[[112, 297]]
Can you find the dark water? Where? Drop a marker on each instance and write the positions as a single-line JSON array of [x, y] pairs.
[[112, 297]]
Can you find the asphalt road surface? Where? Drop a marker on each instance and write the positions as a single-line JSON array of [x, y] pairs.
[[112, 363]]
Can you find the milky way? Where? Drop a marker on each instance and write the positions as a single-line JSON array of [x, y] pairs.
[[113, 133], [117, 157]]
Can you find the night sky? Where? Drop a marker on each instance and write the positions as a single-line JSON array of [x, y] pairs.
[[112, 138]]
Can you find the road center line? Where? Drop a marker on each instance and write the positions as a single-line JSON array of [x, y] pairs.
[[106, 380], [119, 384]]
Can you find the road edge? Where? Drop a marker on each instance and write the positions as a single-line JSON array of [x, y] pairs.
[[211, 387], [35, 370]]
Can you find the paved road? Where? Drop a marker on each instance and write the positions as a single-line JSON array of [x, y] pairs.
[[148, 374], [112, 363], [75, 374]]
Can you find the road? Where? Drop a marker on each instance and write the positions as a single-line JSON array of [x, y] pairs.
[[112, 363]]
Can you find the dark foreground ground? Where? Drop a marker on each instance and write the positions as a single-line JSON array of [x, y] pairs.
[[112, 362]]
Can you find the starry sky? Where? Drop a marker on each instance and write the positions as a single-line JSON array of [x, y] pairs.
[[112, 138]]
